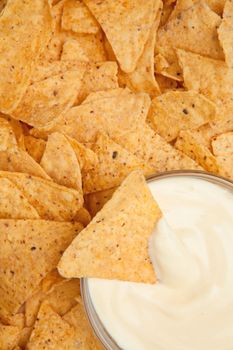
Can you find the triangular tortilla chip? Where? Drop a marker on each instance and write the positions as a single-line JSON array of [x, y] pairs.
[[95, 201], [51, 332], [36, 245], [18, 50], [142, 79], [9, 337], [20, 161], [114, 114], [77, 318], [225, 33], [190, 143], [45, 100], [194, 29], [154, 150], [114, 164], [209, 77], [60, 162], [127, 25], [61, 298], [115, 244], [51, 201], [83, 216], [7, 136], [179, 110], [222, 145], [13, 204], [77, 17], [34, 147]]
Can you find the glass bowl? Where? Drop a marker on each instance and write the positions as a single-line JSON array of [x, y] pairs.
[[104, 337]]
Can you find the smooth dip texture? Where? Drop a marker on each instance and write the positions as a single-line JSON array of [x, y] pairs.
[[191, 307]]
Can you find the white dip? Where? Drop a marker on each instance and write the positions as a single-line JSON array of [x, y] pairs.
[[191, 307]]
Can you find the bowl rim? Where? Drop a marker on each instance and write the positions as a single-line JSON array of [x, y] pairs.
[[96, 324]]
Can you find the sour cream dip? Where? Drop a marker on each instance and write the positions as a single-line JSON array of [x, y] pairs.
[[191, 306]]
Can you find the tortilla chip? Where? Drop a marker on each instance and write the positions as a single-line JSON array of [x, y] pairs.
[[18, 50], [45, 100], [25, 334], [225, 33], [115, 163], [198, 35], [126, 24], [72, 50], [9, 336], [13, 204], [89, 47], [18, 130], [222, 145], [36, 245], [98, 77], [78, 18], [60, 162], [142, 79], [95, 201], [209, 77], [83, 216], [154, 150], [168, 7], [51, 332], [189, 142], [51, 201], [7, 136], [86, 157], [34, 147], [77, 319], [115, 244], [225, 164], [19, 161], [53, 49], [216, 5], [17, 320], [115, 113], [61, 298], [179, 110]]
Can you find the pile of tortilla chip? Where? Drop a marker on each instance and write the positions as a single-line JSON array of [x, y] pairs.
[[95, 95]]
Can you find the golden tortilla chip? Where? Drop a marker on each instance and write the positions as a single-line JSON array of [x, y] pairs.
[[142, 79], [17, 320], [212, 78], [7, 136], [115, 163], [154, 150], [225, 164], [77, 319], [45, 100], [222, 145], [53, 50], [51, 201], [179, 110], [166, 84], [9, 337], [18, 49], [95, 201], [36, 245], [189, 142], [225, 33], [13, 204], [127, 26], [72, 50], [18, 129], [90, 47], [77, 17], [193, 29], [61, 298], [51, 332], [34, 147], [115, 113], [19, 161], [25, 334], [115, 244], [60, 162], [168, 7]]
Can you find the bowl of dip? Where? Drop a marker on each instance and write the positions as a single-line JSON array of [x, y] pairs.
[[191, 305]]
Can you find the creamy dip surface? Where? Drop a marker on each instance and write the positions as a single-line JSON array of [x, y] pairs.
[[191, 306]]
